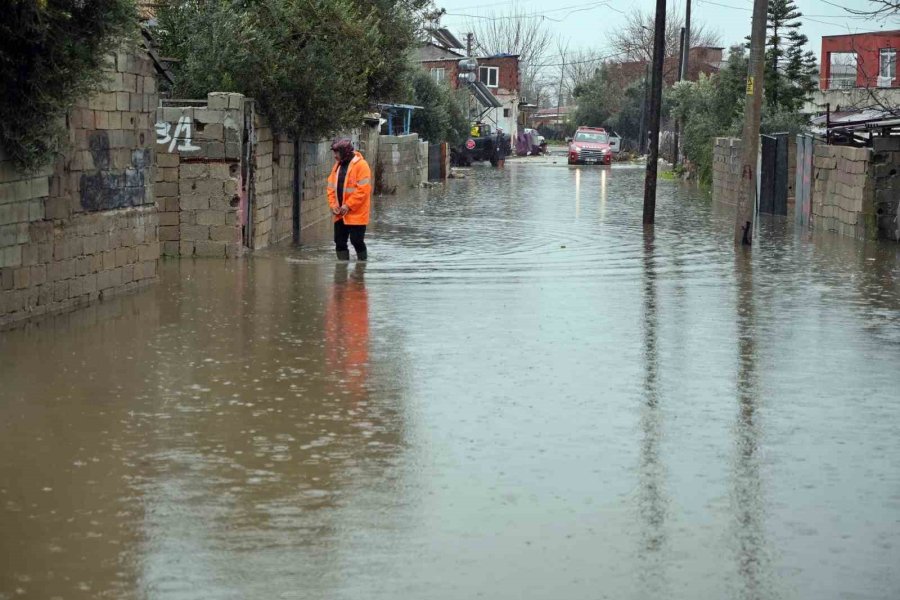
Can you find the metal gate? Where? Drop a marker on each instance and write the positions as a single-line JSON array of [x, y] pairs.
[[434, 162], [803, 180], [773, 191]]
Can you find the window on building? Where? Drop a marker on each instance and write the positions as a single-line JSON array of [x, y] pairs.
[[887, 67], [489, 76], [439, 74], [843, 70], [506, 112]]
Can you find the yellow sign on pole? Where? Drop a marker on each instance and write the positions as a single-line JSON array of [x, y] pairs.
[[750, 86]]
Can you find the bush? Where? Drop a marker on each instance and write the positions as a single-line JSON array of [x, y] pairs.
[[51, 54], [314, 67], [442, 118]]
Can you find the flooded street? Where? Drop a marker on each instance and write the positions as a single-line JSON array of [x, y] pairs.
[[521, 395]]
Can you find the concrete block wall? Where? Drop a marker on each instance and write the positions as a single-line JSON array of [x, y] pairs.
[[199, 185], [842, 192], [726, 170], [283, 180], [316, 160], [85, 226], [402, 163], [886, 185]]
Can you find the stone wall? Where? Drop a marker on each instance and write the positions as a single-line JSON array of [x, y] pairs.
[[842, 192], [402, 163], [886, 185], [273, 160], [199, 180], [85, 227], [726, 170]]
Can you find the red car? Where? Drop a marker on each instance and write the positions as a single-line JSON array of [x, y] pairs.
[[590, 146]]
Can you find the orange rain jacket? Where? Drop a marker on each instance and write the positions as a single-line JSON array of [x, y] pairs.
[[357, 191]]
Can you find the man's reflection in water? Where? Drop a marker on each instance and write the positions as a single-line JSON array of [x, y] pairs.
[[653, 502], [347, 329], [753, 561]]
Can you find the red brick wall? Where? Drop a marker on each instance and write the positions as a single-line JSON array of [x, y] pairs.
[[508, 65], [866, 46]]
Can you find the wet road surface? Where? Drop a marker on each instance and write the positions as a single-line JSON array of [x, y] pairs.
[[522, 395]]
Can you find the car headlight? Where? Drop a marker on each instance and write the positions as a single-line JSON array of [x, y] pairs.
[[576, 150]]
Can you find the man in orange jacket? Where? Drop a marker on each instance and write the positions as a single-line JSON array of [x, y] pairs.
[[349, 196]]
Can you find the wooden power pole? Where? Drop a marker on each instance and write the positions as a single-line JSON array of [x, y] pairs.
[[743, 223], [659, 50]]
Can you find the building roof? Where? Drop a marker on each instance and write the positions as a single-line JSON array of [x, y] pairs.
[[432, 52], [863, 33]]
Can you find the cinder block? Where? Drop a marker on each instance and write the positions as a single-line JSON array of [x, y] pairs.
[[210, 249], [194, 233], [217, 100], [195, 202], [168, 219], [193, 171], [224, 233], [210, 217], [164, 159]]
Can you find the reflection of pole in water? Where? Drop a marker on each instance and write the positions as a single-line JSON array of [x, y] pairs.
[[602, 195], [747, 493], [652, 494], [577, 193]]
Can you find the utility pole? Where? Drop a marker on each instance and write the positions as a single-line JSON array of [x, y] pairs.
[[750, 137], [642, 136], [562, 74], [659, 50], [469, 38], [681, 49], [685, 58]]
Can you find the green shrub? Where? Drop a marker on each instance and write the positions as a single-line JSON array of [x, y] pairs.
[[314, 67], [442, 117], [51, 53]]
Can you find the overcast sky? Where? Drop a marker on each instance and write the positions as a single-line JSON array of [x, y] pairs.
[[587, 23]]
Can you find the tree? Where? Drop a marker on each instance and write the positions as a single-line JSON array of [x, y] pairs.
[[710, 107], [633, 42], [313, 67], [879, 9], [627, 122], [597, 99], [51, 54], [790, 70], [443, 116]]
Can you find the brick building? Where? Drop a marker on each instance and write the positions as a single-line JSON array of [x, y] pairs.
[[500, 74], [862, 60], [704, 60]]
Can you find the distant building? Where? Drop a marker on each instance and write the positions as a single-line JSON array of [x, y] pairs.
[[550, 118], [858, 71], [704, 60]]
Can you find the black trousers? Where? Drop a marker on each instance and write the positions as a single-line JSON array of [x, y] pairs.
[[355, 233]]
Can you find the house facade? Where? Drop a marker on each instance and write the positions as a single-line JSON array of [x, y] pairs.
[[500, 74], [857, 71], [862, 60]]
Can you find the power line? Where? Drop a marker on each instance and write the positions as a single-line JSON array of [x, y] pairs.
[[574, 8], [751, 10]]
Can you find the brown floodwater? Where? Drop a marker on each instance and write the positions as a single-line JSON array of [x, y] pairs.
[[522, 395]]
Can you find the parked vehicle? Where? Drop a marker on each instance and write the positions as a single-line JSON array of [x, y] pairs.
[[484, 143], [530, 142], [590, 146]]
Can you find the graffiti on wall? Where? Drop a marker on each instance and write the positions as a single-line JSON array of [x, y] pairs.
[[109, 188], [180, 138]]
